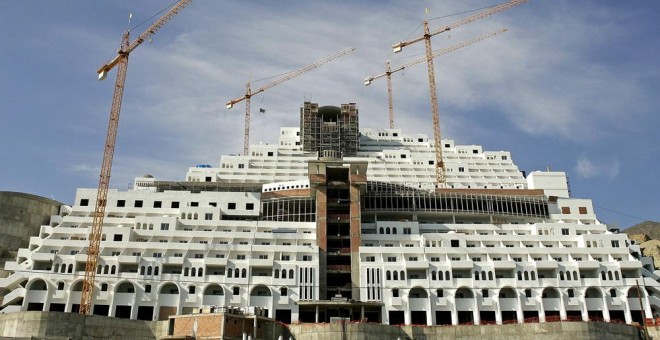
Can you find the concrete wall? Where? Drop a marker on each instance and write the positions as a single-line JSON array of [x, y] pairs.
[[57, 325], [22, 215], [549, 331]]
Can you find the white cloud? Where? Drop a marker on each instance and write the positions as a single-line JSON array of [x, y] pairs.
[[586, 168]]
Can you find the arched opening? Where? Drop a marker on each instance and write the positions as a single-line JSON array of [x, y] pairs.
[[214, 289], [77, 287], [260, 290], [418, 293], [568, 276], [388, 275], [186, 271], [126, 287], [464, 305], [37, 284], [433, 275], [594, 301], [291, 273], [593, 293], [395, 275], [169, 288]]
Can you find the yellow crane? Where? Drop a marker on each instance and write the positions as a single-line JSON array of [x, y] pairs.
[[388, 71], [249, 93], [121, 59], [426, 37]]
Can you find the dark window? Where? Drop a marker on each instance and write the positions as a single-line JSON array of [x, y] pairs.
[[249, 206], [118, 237], [528, 293], [571, 293], [395, 292], [208, 216], [104, 287], [60, 286], [454, 243], [613, 292], [138, 204], [484, 292], [175, 204], [191, 289], [236, 290], [270, 153], [147, 288], [431, 162], [231, 206], [158, 204], [194, 204], [208, 179], [121, 203], [284, 291], [84, 202], [441, 293]]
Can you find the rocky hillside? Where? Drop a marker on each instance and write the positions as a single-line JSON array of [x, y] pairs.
[[649, 228]]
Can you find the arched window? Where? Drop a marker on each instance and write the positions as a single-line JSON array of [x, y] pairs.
[[490, 276], [156, 269], [387, 230], [185, 271], [526, 275], [575, 276], [440, 275], [200, 272], [244, 273], [520, 276], [447, 277], [616, 275], [106, 269], [403, 275], [63, 268], [388, 275], [433, 275], [476, 275], [394, 231], [533, 275], [395, 275], [568, 275], [284, 273], [609, 275], [142, 270], [483, 275], [196, 216], [291, 273], [57, 267], [382, 231], [230, 273], [98, 269], [193, 272], [602, 275], [276, 273], [561, 276], [237, 273], [113, 269], [149, 270]]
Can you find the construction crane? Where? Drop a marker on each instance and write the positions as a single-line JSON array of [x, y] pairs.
[[426, 37], [388, 71], [249, 93], [120, 59]]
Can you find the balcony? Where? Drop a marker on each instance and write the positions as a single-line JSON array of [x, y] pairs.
[[630, 264], [588, 265], [507, 265], [461, 264], [547, 265]]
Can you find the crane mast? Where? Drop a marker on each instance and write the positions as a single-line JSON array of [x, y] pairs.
[[249, 93], [120, 60], [426, 37], [389, 71]]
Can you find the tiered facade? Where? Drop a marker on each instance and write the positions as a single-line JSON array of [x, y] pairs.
[[340, 229]]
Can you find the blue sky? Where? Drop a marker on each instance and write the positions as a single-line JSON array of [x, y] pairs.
[[572, 85]]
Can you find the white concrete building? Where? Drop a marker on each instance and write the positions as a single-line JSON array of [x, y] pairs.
[[313, 233]]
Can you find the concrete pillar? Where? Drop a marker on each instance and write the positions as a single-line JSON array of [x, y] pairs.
[[361, 313], [562, 307], [519, 311], [475, 312], [498, 312], [541, 310], [626, 310], [584, 309], [316, 316], [454, 312], [606, 309]]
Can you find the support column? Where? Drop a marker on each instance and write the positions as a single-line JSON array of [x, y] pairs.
[[498, 312], [316, 316]]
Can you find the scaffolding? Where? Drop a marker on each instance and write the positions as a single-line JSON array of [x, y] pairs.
[[330, 131]]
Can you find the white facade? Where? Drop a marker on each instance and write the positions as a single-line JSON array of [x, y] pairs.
[[178, 250]]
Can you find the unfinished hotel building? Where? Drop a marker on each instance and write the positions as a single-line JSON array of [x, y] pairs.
[[335, 221]]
